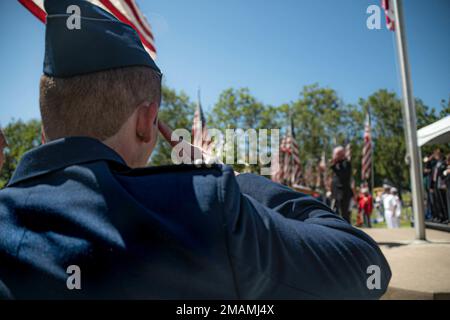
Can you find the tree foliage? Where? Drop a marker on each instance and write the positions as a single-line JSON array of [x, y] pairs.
[[238, 109], [321, 121], [21, 137], [389, 135]]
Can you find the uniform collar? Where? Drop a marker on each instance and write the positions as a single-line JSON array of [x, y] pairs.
[[62, 153]]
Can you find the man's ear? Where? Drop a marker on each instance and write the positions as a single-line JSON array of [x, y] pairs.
[[147, 115]]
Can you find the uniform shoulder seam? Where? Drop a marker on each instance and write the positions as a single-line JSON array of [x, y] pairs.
[[168, 169]]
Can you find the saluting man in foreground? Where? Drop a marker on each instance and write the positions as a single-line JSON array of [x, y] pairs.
[[83, 202]]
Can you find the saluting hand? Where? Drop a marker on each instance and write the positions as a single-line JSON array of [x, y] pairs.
[[197, 155]]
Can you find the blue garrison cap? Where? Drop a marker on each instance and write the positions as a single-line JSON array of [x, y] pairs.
[[101, 43]]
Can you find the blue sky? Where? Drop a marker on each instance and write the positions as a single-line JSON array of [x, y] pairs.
[[273, 47]]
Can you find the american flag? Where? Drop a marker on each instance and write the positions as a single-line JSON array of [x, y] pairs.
[[389, 13], [296, 164], [286, 149], [367, 151], [200, 137], [126, 11], [288, 169]]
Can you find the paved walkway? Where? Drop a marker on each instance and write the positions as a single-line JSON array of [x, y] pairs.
[[420, 270]]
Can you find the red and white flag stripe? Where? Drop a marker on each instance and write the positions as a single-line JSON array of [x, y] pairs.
[[367, 151], [389, 13], [126, 11], [200, 135], [297, 168], [288, 168]]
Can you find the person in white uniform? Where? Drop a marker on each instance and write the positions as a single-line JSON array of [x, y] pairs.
[[389, 204], [398, 208]]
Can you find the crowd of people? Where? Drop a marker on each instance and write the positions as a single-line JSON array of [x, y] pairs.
[[387, 203], [388, 206], [436, 177]]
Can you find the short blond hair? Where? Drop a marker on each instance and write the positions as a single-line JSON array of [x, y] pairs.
[[96, 104]]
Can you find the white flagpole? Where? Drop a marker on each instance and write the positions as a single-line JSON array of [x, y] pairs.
[[410, 122], [372, 149]]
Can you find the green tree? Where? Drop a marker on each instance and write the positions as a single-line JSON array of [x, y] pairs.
[[239, 109], [321, 121], [445, 108], [389, 137], [21, 137]]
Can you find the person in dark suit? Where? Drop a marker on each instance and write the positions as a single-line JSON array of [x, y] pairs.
[[341, 183], [82, 217], [438, 187], [446, 178], [429, 163]]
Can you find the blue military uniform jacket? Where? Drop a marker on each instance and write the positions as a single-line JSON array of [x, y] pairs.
[[170, 232]]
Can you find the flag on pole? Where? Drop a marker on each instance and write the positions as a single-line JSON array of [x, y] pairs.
[[287, 169], [200, 137], [367, 151], [296, 165], [286, 150], [126, 11], [389, 13]]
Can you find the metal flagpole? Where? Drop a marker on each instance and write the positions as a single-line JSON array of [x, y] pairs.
[[409, 109], [372, 148]]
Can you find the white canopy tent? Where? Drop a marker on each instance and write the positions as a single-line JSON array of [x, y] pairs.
[[435, 133]]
